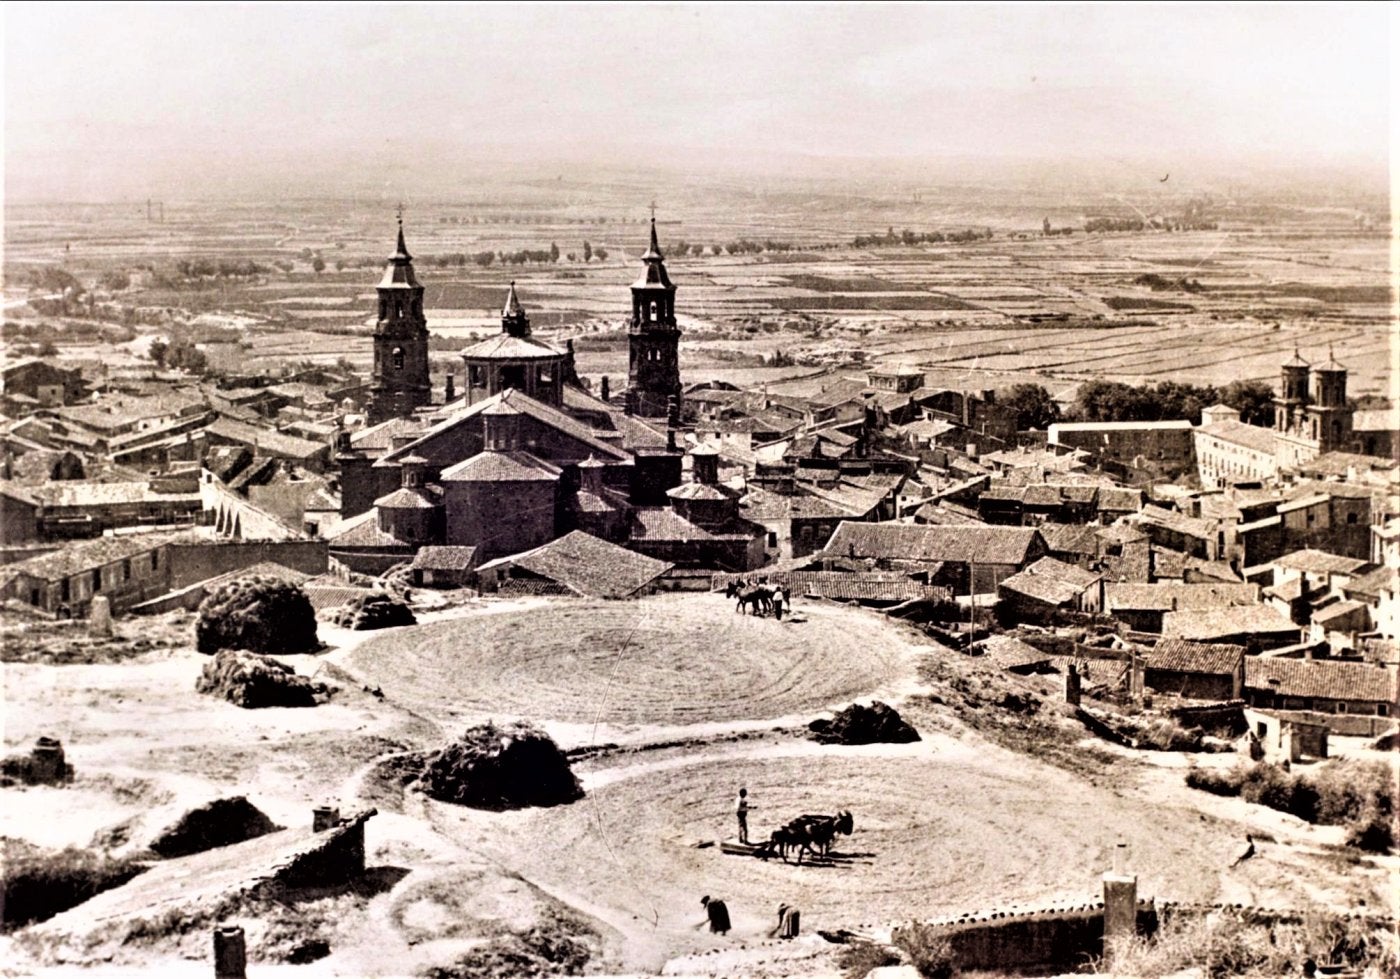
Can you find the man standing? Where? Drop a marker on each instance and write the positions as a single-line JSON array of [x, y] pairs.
[[779, 600], [741, 810]]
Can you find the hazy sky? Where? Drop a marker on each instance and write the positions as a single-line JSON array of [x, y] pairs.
[[129, 99]]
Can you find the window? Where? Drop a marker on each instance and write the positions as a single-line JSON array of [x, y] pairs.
[[398, 358], [155, 560], [65, 590], [97, 581], [772, 538], [1382, 710], [1351, 518], [478, 376], [126, 570]]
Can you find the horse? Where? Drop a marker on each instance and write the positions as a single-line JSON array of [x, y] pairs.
[[759, 599], [732, 589]]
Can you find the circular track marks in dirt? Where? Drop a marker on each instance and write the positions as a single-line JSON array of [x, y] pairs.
[[668, 659]]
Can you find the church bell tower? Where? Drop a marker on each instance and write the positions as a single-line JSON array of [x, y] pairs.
[[399, 379], [653, 372]]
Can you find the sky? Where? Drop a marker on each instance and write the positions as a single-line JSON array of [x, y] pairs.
[[116, 101]]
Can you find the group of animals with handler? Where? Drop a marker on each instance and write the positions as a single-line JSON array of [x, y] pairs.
[[760, 599], [809, 834]]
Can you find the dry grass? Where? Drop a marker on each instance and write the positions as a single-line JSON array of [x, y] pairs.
[[1228, 946]]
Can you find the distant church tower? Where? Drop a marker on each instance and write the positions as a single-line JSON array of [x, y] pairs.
[[1311, 413], [653, 373], [399, 380]]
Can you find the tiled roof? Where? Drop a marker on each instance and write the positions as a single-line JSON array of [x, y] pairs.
[[1044, 588], [1319, 562], [1010, 653], [542, 413], [405, 498], [1069, 538], [762, 505], [381, 436], [933, 542], [81, 556], [587, 565], [1118, 499], [444, 557], [363, 531], [873, 586], [503, 346], [1184, 656], [664, 524], [1326, 679], [698, 491], [1336, 611], [1168, 596], [267, 440], [1216, 623], [84, 493], [1238, 433], [502, 467], [1371, 584]]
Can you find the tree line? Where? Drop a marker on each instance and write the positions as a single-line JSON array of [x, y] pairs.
[[1114, 401]]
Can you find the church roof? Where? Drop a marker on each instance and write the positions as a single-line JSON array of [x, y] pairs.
[[398, 274], [406, 499], [506, 347], [1296, 360], [654, 276], [494, 466], [542, 413], [512, 306], [698, 491]]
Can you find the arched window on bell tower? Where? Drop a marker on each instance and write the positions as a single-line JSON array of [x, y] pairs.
[[398, 358]]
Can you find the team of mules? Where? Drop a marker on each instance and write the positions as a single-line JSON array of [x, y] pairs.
[[758, 600], [809, 834]]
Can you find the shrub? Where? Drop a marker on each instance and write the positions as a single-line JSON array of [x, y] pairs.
[[1372, 831], [1217, 783], [507, 767], [38, 885], [858, 958], [928, 950], [261, 613]]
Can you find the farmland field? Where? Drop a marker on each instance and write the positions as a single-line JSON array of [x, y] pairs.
[[1207, 306]]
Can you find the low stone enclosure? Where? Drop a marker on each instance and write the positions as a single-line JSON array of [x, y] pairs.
[[329, 852]]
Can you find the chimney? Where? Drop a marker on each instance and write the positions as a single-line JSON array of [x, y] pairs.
[[603, 391], [451, 393]]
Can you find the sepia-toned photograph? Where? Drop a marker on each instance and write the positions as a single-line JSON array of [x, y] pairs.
[[719, 490]]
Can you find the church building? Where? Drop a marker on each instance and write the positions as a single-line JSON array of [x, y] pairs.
[[526, 454]]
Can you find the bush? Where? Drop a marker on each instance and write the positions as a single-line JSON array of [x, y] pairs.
[[508, 767], [374, 611], [218, 823], [38, 885], [1359, 795], [858, 958], [928, 950], [250, 680], [1217, 783], [261, 613]]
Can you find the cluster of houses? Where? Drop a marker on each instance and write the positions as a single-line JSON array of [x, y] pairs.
[[1234, 562]]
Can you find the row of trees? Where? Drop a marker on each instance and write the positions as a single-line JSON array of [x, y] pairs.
[[179, 354], [907, 237], [1113, 401]]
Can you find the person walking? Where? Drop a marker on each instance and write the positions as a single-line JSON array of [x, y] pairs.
[[779, 600], [741, 810]]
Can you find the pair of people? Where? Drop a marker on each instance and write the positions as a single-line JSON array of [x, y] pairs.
[[717, 917]]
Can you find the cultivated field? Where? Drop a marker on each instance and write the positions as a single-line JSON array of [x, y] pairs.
[[1206, 306]]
